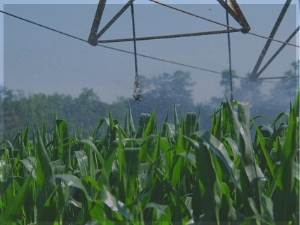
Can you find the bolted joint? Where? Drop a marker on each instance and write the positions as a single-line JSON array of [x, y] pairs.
[[137, 94], [245, 30], [93, 40]]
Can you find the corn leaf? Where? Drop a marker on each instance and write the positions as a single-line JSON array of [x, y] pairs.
[[14, 209]]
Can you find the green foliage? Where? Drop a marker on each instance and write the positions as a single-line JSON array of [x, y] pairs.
[[18, 110], [178, 173]]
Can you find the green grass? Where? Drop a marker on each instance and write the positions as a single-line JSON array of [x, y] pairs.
[[176, 174]]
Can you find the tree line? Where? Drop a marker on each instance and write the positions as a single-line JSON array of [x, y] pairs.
[[161, 92]]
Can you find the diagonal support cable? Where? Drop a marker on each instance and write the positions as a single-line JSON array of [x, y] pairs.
[[192, 14], [221, 24], [268, 43], [278, 51], [114, 19]]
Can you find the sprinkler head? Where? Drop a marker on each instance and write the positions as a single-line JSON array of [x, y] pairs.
[[137, 94]]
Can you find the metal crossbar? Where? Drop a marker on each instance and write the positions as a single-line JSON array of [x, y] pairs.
[[168, 36]]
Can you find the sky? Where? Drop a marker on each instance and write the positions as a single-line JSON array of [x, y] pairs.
[[38, 60]]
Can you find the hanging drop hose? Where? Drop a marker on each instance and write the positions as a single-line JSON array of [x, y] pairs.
[[137, 94], [229, 56]]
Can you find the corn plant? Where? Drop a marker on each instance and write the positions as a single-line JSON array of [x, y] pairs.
[[173, 174]]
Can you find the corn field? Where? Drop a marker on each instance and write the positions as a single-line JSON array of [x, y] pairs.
[[173, 174]]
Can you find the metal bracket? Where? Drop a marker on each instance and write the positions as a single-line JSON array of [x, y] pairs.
[[137, 93], [235, 11], [93, 37]]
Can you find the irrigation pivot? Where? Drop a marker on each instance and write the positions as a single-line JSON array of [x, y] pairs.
[[94, 38]]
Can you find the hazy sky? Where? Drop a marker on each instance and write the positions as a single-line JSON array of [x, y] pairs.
[[39, 60]]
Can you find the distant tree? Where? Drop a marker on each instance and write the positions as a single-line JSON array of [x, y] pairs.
[[225, 84], [1, 112], [249, 91], [19, 110], [225, 81], [119, 107], [285, 89], [87, 109], [10, 109]]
